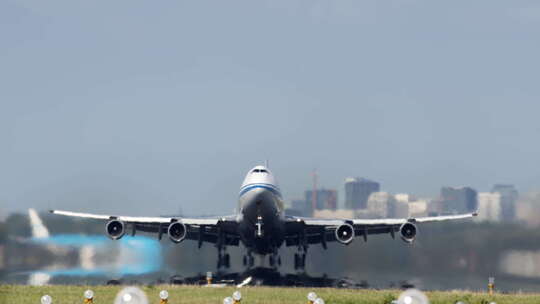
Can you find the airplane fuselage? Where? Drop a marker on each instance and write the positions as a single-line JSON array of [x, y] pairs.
[[261, 212]]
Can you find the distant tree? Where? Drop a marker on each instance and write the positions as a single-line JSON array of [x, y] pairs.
[[18, 225], [3, 232]]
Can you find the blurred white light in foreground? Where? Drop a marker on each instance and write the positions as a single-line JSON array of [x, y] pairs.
[[131, 295], [312, 296], [319, 301], [164, 295], [228, 300], [412, 296], [237, 296], [89, 294], [46, 299]]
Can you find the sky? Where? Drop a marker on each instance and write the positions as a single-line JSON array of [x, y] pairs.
[[149, 108]]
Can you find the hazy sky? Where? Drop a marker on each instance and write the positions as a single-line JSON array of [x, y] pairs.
[[146, 107]]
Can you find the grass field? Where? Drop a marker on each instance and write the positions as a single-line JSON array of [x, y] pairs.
[[16, 294]]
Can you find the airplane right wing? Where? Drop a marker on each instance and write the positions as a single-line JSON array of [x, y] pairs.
[[221, 231], [305, 231]]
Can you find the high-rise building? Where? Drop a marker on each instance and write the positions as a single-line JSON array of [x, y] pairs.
[[509, 197], [385, 205], [325, 199], [458, 200], [357, 192], [489, 207]]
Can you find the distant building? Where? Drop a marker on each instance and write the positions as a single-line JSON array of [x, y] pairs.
[[509, 196], [415, 207], [489, 207], [458, 200], [325, 199], [334, 214], [382, 205], [292, 212], [418, 208], [357, 192]]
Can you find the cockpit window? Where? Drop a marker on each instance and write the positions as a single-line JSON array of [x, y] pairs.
[[259, 171]]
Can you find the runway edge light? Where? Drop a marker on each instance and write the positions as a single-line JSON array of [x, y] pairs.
[[311, 297], [131, 295], [88, 296], [237, 297], [164, 297], [491, 285], [413, 296], [46, 299], [208, 277]]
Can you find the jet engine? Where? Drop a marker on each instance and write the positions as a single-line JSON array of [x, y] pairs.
[[345, 233], [408, 232], [115, 229], [177, 232]]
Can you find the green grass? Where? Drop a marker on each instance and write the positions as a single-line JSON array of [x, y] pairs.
[[17, 294]]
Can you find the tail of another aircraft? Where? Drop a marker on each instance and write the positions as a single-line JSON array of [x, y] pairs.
[[39, 230]]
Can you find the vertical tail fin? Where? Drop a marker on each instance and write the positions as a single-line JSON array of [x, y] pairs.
[[38, 229]]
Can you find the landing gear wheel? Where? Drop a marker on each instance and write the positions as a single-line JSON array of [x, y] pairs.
[[251, 261], [279, 261], [299, 261], [227, 261], [245, 260], [272, 260]]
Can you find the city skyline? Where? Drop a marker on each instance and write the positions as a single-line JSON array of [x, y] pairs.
[[101, 110]]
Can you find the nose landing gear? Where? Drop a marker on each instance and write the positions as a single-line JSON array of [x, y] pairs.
[[299, 261]]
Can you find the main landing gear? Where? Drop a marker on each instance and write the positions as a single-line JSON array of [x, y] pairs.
[[274, 260], [299, 261], [224, 260], [248, 260]]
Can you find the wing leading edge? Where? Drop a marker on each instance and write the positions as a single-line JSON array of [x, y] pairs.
[[216, 230], [305, 231]]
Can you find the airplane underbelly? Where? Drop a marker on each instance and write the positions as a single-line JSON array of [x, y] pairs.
[[262, 227]]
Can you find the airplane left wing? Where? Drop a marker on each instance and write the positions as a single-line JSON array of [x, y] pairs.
[[216, 230], [306, 231]]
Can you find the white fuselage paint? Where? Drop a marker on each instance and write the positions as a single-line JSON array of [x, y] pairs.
[[261, 212]]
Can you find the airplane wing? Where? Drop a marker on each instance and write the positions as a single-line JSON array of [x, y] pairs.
[[216, 230], [305, 231]]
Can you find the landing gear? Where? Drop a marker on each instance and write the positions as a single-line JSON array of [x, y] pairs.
[[299, 261], [274, 260], [248, 260], [224, 260]]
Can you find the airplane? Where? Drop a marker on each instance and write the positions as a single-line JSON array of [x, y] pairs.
[[87, 255], [261, 226]]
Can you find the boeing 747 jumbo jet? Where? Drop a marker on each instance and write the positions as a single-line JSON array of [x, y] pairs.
[[261, 225]]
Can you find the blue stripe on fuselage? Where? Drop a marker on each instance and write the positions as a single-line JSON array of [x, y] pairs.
[[269, 187]]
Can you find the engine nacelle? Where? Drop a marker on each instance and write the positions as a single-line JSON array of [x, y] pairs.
[[408, 232], [115, 229], [177, 232], [345, 234]]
